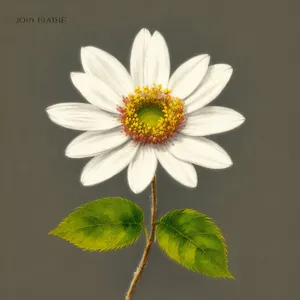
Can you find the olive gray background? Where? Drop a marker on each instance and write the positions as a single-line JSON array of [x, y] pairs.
[[255, 202]]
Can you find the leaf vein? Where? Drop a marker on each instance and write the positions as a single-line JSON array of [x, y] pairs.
[[183, 236]]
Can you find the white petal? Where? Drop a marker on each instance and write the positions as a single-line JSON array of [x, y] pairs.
[[213, 83], [107, 68], [200, 151], [142, 169], [188, 76], [211, 120], [138, 56], [157, 63], [81, 116], [96, 91], [92, 143], [108, 164], [181, 171]]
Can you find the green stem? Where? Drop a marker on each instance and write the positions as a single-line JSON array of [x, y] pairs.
[[146, 234], [150, 240]]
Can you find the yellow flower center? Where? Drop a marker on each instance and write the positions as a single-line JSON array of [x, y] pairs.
[[151, 114]]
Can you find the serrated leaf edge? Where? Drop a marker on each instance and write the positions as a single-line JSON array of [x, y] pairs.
[[54, 232], [219, 235]]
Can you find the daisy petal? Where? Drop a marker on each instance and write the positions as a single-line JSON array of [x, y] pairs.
[[188, 76], [157, 63], [181, 171], [213, 83], [108, 164], [91, 143], [107, 68], [200, 151], [142, 169], [96, 91], [211, 120], [81, 116], [138, 56]]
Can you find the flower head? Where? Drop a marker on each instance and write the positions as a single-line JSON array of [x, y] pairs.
[[136, 120]]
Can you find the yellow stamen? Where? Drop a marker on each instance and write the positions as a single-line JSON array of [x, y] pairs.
[[151, 114]]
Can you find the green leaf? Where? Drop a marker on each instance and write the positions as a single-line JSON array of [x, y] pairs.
[[193, 240], [103, 224]]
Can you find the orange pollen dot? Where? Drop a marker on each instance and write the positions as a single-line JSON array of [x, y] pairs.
[[151, 115]]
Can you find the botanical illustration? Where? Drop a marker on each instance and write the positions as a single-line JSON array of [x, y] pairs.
[[138, 119]]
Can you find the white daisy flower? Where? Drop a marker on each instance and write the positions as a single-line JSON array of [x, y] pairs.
[[145, 117]]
